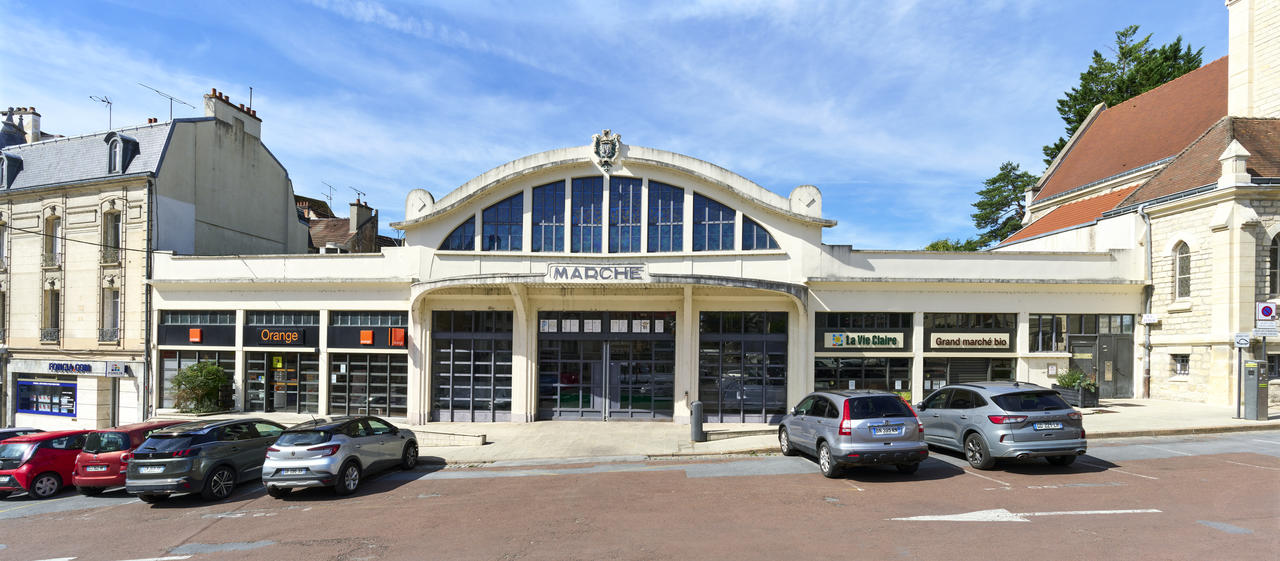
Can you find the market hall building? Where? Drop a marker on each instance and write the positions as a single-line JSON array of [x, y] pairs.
[[617, 282]]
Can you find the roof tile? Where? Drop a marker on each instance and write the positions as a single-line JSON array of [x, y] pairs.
[[1071, 214]]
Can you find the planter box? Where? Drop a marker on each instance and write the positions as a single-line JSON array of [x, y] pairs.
[[1077, 397]]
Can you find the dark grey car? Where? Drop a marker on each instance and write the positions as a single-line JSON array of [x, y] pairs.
[[989, 421], [206, 457], [854, 428]]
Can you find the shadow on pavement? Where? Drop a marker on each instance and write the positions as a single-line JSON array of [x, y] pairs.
[[1033, 466], [930, 470], [376, 483]]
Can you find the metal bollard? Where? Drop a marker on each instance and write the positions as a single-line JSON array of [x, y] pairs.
[[695, 423]]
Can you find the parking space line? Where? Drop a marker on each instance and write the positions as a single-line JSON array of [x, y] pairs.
[[1251, 465], [1169, 450], [987, 478], [1267, 441], [1118, 470], [45, 502], [851, 484]]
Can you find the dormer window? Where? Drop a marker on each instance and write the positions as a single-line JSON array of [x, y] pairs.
[[10, 165], [113, 157], [121, 149]]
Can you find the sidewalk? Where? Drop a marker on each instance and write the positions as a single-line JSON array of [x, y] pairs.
[[573, 441]]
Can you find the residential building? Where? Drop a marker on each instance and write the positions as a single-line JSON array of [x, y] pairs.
[[79, 217], [331, 234]]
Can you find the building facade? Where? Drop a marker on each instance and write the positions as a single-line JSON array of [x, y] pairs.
[[79, 217]]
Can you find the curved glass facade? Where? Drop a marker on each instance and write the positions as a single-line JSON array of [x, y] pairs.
[[585, 213], [548, 217], [462, 238], [666, 217], [754, 236], [712, 225], [502, 224], [624, 214]]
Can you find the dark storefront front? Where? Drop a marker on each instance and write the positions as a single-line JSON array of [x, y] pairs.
[[1101, 346], [287, 377], [878, 338], [199, 332], [371, 382], [742, 366]]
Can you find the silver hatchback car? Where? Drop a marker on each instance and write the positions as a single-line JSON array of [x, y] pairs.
[[334, 452], [854, 428], [988, 421]]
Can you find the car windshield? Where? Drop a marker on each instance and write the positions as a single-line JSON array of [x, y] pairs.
[[99, 442], [168, 442], [1031, 401], [15, 450], [303, 438], [878, 406]]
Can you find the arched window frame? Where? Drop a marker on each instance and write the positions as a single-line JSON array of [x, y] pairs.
[[1181, 270], [666, 217], [1273, 266], [502, 224], [756, 236], [113, 156], [713, 224], [462, 237]]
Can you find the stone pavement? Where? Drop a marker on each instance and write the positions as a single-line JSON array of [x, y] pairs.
[[571, 441]]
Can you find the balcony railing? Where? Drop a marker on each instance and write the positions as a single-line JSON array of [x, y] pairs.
[[50, 334], [110, 255], [108, 334], [52, 260]]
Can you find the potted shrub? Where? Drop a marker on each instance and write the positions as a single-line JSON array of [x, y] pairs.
[[1077, 388], [199, 388]]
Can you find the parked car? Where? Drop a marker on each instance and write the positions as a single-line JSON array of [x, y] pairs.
[[990, 421], [106, 453], [207, 457], [39, 463], [854, 428], [335, 452], [17, 431]]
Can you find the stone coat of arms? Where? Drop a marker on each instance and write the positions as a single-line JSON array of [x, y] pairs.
[[606, 145]]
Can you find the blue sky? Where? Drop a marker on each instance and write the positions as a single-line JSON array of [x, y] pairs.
[[896, 110]]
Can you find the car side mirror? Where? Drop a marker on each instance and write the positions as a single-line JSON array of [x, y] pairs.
[[920, 406], [793, 411]]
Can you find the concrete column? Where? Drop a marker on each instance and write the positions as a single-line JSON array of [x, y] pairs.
[[419, 371], [322, 356], [686, 367], [241, 383], [800, 354], [917, 357], [524, 389], [1022, 346]]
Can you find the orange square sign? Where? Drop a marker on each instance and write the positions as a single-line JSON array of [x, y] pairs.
[[366, 336], [397, 336], [194, 335]]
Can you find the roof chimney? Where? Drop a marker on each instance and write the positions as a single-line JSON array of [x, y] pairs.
[[26, 119], [360, 212]]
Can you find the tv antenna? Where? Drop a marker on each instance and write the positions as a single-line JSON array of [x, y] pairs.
[[168, 97], [106, 101], [359, 194], [330, 195]]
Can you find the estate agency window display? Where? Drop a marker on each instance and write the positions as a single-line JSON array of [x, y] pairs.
[[46, 395]]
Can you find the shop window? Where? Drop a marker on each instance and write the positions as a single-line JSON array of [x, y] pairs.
[[869, 373], [1182, 270], [284, 318], [548, 217], [282, 382], [172, 362], [1273, 267], [971, 321], [471, 365], [1048, 333], [369, 384], [503, 222], [585, 215], [462, 238], [624, 214], [666, 217], [863, 320], [1181, 365], [46, 395], [754, 236], [111, 236], [195, 317], [712, 225], [369, 319], [742, 366]]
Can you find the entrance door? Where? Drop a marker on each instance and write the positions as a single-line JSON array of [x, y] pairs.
[[1084, 352], [284, 382], [1115, 366], [584, 376]]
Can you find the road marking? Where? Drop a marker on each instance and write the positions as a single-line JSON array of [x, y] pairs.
[[1002, 515], [987, 478], [1118, 470], [45, 502], [169, 558], [851, 484], [1169, 450], [1251, 465], [1228, 528], [58, 559], [1267, 441]]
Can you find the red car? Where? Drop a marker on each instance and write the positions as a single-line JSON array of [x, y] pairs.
[[40, 463], [105, 457]]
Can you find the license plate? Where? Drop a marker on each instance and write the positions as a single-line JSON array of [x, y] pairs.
[[150, 469], [886, 431], [293, 471], [4, 480], [1048, 426], [95, 468]]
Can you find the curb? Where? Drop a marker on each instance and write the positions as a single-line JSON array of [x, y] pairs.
[[1184, 431]]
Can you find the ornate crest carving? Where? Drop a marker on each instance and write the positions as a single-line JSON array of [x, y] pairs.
[[607, 145]]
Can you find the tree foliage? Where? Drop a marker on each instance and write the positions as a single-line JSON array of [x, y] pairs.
[[197, 387], [1134, 68]]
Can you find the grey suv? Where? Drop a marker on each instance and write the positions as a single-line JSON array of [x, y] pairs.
[[335, 452], [854, 428], [988, 421], [206, 457]]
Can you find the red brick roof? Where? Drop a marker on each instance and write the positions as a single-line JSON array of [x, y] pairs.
[[325, 230], [1145, 129], [1198, 165], [1071, 214]]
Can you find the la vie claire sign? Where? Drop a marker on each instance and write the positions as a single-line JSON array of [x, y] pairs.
[[969, 341], [864, 340], [597, 273]]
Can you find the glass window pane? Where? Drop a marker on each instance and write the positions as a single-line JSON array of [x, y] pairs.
[[666, 217], [712, 225], [586, 215], [502, 224], [548, 217], [462, 238]]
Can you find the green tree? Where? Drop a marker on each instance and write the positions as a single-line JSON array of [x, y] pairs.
[[948, 244], [1135, 69], [1001, 204], [197, 387]]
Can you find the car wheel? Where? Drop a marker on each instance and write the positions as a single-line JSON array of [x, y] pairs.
[[219, 484], [409, 459], [278, 492], [151, 498], [1061, 460], [908, 468], [784, 442], [976, 451], [348, 478], [44, 486], [91, 491], [825, 462]]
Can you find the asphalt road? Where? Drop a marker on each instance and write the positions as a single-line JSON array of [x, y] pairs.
[[1206, 497]]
